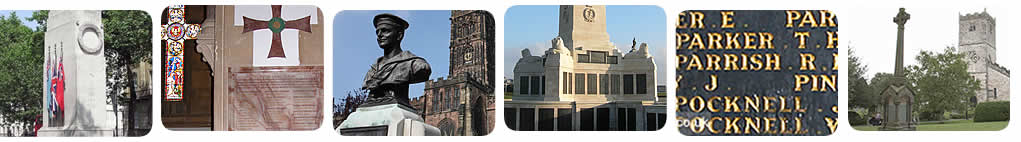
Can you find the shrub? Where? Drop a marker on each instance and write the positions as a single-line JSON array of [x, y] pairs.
[[931, 116], [855, 119], [957, 116], [992, 111]]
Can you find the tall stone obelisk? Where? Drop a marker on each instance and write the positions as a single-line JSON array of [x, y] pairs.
[[75, 100], [898, 98]]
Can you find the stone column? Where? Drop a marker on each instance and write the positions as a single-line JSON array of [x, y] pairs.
[[898, 96], [901, 19], [76, 67]]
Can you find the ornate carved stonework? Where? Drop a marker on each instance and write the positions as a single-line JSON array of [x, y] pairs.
[[206, 41], [590, 14], [458, 104]]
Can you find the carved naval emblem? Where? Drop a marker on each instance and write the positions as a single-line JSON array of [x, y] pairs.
[[589, 14]]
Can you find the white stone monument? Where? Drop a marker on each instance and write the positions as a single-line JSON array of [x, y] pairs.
[[584, 70], [76, 75]]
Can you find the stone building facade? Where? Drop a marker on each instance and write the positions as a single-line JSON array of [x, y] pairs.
[[463, 103], [977, 38], [584, 82]]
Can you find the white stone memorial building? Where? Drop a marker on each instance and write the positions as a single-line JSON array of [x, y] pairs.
[[583, 82]]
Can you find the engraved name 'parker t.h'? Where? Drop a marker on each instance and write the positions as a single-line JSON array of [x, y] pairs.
[[387, 80]]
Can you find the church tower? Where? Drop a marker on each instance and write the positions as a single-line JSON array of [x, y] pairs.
[[472, 44], [977, 34], [977, 39]]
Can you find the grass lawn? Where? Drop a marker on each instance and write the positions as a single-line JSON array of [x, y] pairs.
[[959, 125], [507, 95]]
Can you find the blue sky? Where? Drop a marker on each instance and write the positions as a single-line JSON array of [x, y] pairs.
[[22, 14], [534, 26], [355, 48]]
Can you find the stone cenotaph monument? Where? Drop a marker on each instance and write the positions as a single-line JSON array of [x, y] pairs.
[[387, 111], [898, 98], [75, 100]]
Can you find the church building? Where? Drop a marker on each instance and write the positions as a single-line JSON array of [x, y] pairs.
[[977, 38], [462, 104]]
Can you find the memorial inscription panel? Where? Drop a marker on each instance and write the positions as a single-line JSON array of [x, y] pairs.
[[276, 98]]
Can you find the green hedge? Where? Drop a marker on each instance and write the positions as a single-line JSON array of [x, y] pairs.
[[957, 116], [856, 119], [931, 116], [992, 111]]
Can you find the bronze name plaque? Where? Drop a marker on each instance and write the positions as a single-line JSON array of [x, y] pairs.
[[276, 98]]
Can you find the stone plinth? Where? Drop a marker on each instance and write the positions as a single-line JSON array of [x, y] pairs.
[[897, 101], [386, 120]]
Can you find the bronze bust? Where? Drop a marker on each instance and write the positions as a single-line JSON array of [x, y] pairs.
[[388, 79]]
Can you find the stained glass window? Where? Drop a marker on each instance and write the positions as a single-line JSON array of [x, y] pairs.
[[175, 32]]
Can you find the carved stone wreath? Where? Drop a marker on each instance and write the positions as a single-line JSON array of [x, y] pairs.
[[589, 14]]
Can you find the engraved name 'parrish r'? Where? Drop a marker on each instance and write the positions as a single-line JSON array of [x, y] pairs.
[[756, 72]]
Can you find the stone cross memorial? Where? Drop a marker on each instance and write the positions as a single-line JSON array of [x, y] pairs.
[[898, 98], [75, 100]]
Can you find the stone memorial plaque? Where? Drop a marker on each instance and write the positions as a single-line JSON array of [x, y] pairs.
[[276, 98]]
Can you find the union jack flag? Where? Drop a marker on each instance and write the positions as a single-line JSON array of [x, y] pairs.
[[56, 87]]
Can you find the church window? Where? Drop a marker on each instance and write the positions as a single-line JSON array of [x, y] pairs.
[[435, 101], [995, 93], [457, 97], [446, 99]]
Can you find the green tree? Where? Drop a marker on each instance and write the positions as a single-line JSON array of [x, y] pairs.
[[942, 83], [127, 43], [21, 63], [860, 94], [877, 84]]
